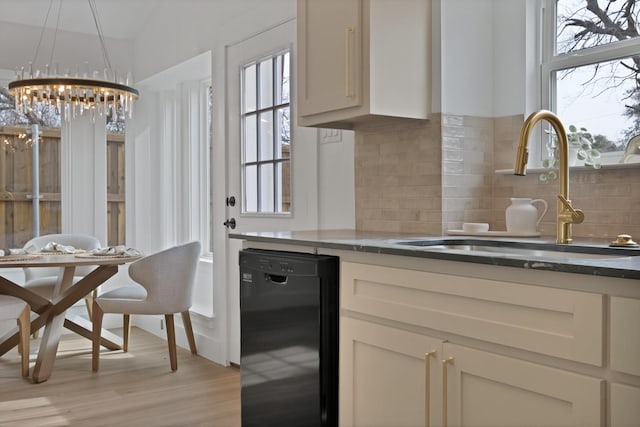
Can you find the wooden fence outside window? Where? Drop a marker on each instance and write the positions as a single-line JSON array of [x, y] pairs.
[[16, 206]]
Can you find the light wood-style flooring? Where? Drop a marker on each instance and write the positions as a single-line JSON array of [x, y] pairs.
[[131, 389]]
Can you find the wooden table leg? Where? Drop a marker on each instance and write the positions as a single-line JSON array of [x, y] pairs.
[[38, 305], [52, 332], [48, 348]]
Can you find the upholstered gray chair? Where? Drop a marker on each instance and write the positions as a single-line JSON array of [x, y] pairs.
[[15, 308], [42, 280], [163, 285]]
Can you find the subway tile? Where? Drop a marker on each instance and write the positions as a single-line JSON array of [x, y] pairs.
[[452, 120], [442, 172]]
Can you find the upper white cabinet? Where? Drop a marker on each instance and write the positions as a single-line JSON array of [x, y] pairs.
[[363, 60]]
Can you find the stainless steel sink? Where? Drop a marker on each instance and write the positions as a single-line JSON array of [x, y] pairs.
[[520, 249]]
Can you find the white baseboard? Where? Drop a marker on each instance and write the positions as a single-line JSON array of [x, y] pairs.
[[208, 347]]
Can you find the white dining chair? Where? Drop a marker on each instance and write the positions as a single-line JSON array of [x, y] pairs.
[[15, 308], [163, 285], [42, 280]]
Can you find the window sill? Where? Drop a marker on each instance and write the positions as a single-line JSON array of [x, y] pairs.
[[573, 168]]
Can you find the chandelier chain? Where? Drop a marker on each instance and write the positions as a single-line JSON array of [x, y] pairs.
[[55, 34], [96, 20], [44, 27]]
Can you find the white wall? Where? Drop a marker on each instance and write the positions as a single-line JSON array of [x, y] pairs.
[[467, 53], [483, 57], [336, 197], [509, 71]]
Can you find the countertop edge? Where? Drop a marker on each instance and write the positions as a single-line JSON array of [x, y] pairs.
[[625, 268]]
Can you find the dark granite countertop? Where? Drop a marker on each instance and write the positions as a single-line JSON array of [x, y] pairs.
[[575, 258]]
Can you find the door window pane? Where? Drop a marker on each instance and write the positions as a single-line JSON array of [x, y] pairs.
[[282, 78], [251, 188], [283, 133], [267, 193], [249, 88], [250, 139], [266, 135], [266, 83]]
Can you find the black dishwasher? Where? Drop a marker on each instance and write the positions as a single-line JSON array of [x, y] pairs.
[[289, 339]]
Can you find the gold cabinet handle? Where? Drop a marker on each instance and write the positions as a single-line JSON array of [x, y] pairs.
[[445, 362], [348, 32], [427, 386]]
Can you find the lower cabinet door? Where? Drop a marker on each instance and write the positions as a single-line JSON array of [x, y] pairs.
[[384, 379], [625, 405], [486, 389]]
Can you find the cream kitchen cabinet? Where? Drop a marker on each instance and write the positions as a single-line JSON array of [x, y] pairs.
[[486, 389], [625, 337], [625, 358], [384, 379], [625, 405], [362, 60], [393, 377], [393, 319], [556, 322]]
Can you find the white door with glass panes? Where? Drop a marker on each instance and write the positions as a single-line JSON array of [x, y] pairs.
[[271, 164]]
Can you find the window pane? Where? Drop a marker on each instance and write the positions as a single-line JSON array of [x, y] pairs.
[[282, 78], [596, 97], [283, 175], [266, 188], [249, 88], [210, 164], [266, 83], [251, 188], [284, 134], [580, 28], [266, 135], [115, 190], [250, 139]]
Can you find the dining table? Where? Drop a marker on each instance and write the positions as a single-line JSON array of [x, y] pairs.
[[51, 312]]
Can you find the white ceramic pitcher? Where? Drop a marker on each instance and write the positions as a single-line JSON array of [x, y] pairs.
[[522, 215]]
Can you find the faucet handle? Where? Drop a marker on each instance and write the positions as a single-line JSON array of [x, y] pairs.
[[577, 216]]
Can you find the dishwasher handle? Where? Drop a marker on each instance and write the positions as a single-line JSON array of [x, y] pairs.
[[276, 279]]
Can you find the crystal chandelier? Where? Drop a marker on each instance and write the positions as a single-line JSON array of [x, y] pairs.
[[73, 95]]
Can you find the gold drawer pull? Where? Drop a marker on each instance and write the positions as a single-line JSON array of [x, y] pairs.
[[445, 362], [427, 386]]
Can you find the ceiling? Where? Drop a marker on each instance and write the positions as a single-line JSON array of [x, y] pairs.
[[119, 18]]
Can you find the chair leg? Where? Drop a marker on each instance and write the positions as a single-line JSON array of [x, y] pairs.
[[186, 320], [24, 326], [126, 330], [98, 314], [171, 340]]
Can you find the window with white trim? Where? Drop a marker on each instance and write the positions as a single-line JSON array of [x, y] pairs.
[[266, 136], [591, 70]]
